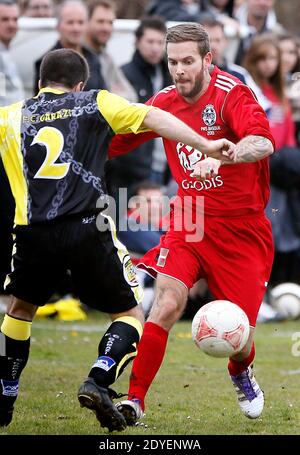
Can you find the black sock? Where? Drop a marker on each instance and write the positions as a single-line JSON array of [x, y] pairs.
[[13, 358], [116, 349]]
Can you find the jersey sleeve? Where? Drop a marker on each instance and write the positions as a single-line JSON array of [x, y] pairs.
[[2, 125], [122, 116], [242, 113], [124, 143]]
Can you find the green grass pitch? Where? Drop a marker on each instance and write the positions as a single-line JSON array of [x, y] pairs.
[[191, 395]]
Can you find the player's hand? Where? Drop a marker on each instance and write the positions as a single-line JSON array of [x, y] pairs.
[[206, 169], [228, 155], [220, 149]]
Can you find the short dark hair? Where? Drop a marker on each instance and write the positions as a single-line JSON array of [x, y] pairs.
[[212, 22], [191, 31], [63, 67], [153, 22], [94, 4]]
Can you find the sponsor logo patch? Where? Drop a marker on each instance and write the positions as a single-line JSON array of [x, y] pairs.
[[104, 362], [129, 272], [10, 388], [161, 262]]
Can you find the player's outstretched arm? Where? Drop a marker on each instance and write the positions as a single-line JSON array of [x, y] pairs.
[[170, 127], [250, 149]]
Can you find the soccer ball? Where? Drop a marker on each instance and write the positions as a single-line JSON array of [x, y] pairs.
[[285, 298], [220, 328]]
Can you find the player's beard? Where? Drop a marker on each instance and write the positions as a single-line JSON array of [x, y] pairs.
[[196, 89]]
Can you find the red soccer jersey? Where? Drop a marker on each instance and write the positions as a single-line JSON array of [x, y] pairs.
[[227, 109]]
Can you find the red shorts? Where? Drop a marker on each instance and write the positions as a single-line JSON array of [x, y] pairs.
[[235, 257]]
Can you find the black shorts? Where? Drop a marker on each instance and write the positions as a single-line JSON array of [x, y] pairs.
[[100, 266]]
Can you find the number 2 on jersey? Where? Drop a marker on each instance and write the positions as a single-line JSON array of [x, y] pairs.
[[53, 140]]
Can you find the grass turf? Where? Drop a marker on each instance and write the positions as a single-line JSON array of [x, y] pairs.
[[191, 395]]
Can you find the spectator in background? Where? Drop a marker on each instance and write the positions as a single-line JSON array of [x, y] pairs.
[[38, 8], [11, 87], [218, 6], [72, 25], [11, 90], [263, 61], [218, 44], [145, 211], [255, 17], [290, 56], [197, 11], [177, 10], [223, 11], [132, 9], [100, 27], [148, 73]]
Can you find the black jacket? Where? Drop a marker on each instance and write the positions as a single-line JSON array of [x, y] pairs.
[[171, 10], [206, 5], [139, 73], [95, 81]]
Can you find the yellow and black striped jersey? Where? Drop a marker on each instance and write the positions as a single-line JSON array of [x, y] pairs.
[[54, 147]]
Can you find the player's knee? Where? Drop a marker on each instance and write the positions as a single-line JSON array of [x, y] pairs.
[[19, 309], [136, 312], [168, 307]]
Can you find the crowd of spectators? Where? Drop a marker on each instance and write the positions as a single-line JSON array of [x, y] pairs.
[[267, 58]]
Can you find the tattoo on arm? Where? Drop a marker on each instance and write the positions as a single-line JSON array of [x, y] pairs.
[[253, 148]]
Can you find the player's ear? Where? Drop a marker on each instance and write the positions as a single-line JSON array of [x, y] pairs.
[[78, 87], [207, 60], [39, 84]]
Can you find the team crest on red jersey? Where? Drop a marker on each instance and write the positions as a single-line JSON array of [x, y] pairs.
[[209, 115]]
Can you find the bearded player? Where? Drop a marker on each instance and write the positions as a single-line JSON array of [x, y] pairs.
[[235, 251]]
